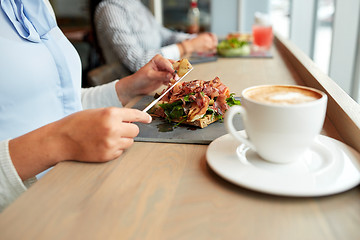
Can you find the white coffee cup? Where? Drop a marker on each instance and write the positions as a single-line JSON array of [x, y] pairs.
[[281, 121]]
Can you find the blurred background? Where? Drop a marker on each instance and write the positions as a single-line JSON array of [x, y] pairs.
[[326, 30]]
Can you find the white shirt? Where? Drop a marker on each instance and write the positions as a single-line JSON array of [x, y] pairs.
[[128, 33]]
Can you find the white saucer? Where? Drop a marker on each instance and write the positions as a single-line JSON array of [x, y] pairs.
[[328, 167]]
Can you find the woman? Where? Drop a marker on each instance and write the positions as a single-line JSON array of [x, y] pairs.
[[128, 33], [42, 121]]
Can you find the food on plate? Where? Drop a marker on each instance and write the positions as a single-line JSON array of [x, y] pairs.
[[232, 46], [182, 67], [197, 103], [247, 37]]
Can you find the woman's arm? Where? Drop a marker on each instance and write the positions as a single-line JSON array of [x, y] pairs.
[[100, 96], [157, 72], [95, 135]]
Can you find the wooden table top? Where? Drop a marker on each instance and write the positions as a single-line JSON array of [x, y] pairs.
[[167, 191]]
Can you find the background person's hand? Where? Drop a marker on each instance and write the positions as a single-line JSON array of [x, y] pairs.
[[147, 79], [95, 135], [203, 43]]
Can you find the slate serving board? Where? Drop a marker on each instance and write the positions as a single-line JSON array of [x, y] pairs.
[[196, 58], [159, 130]]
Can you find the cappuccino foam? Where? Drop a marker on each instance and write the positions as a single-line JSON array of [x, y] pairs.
[[282, 95]]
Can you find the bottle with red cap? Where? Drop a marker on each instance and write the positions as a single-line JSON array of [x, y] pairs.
[[193, 17]]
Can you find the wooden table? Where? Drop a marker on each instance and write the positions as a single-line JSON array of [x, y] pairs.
[[167, 191]]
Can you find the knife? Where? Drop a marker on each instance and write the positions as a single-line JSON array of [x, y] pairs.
[[162, 95]]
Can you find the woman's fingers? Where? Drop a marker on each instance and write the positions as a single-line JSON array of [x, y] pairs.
[[125, 143], [134, 115], [160, 77], [162, 64]]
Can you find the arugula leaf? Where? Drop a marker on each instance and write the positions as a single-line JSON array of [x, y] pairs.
[[173, 110], [180, 122], [212, 112], [187, 98], [231, 101], [177, 112]]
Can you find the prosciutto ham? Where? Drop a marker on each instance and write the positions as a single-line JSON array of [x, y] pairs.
[[197, 97]]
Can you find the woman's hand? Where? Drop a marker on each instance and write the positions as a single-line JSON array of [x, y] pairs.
[[147, 79], [99, 135], [95, 135]]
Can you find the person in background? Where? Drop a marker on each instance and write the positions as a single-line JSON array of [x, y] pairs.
[[42, 116], [128, 33]]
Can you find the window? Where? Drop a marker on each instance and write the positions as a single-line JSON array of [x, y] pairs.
[[328, 31], [323, 34], [280, 15]]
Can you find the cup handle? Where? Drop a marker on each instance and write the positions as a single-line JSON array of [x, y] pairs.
[[229, 115]]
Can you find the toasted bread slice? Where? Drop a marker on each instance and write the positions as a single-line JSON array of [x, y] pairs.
[[202, 122], [182, 66]]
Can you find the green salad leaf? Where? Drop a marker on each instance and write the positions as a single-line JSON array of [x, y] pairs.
[[173, 110], [187, 98], [232, 43], [212, 112], [233, 47], [231, 101]]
